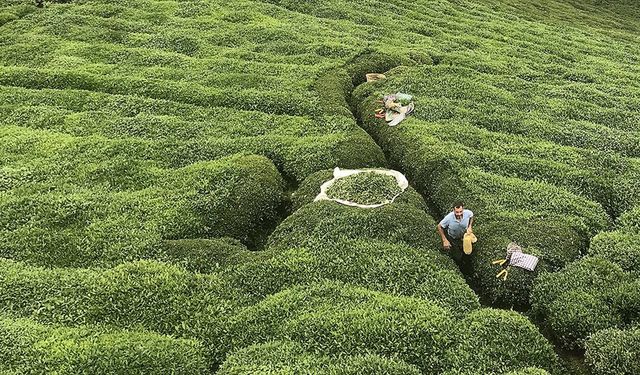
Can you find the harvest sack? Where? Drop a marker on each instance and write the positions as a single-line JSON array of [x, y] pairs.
[[467, 241], [338, 173]]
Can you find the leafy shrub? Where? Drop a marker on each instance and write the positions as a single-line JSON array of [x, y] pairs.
[[310, 188], [183, 92], [582, 299], [365, 188], [233, 197], [614, 352], [447, 289], [619, 247], [206, 256], [171, 135], [331, 221], [289, 357], [158, 297], [31, 348], [495, 341], [630, 221], [549, 239], [375, 265], [335, 319]]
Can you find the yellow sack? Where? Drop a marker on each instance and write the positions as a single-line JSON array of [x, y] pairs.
[[467, 241]]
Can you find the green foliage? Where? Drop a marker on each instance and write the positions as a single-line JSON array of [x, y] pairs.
[[549, 239], [206, 256], [27, 347], [619, 247], [331, 221], [614, 351], [290, 358], [333, 318], [375, 265], [103, 101], [496, 341], [173, 137], [585, 297], [365, 188], [158, 297], [630, 221], [80, 227]]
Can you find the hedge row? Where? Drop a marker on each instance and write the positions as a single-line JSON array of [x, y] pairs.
[[445, 175], [290, 357], [512, 209], [337, 319], [236, 197], [159, 297], [614, 352], [162, 124], [499, 341], [78, 160], [376, 265], [586, 296], [553, 109], [27, 347], [619, 247], [270, 101], [329, 221], [600, 176]]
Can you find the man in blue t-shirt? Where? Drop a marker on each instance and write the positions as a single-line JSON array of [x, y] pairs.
[[453, 227]]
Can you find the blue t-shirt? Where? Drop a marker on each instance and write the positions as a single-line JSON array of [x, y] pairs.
[[456, 228]]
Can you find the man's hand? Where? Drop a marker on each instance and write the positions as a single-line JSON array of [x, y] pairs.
[[469, 230], [446, 244]]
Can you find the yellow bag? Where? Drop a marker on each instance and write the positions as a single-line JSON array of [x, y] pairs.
[[467, 241]]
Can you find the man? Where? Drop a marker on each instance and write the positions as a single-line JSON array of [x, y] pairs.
[[453, 227]]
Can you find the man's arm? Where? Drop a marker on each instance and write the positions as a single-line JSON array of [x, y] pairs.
[[445, 241], [469, 230]]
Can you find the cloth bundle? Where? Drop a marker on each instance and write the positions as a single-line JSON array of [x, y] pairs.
[[519, 259], [396, 108]]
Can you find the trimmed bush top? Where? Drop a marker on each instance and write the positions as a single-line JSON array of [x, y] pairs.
[[27, 347], [365, 188], [285, 357], [614, 352]]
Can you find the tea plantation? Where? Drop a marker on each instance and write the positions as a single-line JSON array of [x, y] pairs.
[[160, 159]]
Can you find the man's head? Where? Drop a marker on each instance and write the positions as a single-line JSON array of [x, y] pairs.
[[458, 208]]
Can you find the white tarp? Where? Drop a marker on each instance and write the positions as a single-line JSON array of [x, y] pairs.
[[341, 173]]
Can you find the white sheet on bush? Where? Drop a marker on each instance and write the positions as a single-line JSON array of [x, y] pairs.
[[338, 173]]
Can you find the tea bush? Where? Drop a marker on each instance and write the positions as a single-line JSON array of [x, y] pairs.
[[614, 351], [498, 341], [27, 347], [375, 265], [232, 197], [158, 297], [333, 318], [586, 296], [310, 188], [289, 357], [331, 221], [619, 247]]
